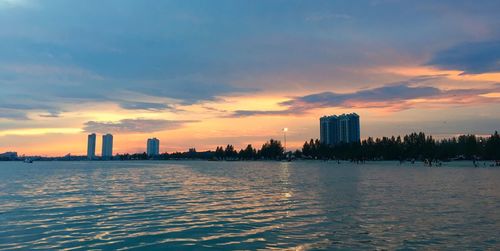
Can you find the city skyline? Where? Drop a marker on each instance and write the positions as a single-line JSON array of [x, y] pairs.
[[205, 74], [152, 146]]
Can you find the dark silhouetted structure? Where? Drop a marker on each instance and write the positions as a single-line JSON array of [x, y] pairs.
[[91, 146], [339, 129]]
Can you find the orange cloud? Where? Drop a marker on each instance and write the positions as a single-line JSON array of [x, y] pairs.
[[415, 71]]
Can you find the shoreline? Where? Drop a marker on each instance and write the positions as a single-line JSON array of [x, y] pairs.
[[479, 163]]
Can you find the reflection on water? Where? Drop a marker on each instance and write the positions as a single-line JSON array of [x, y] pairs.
[[246, 205]]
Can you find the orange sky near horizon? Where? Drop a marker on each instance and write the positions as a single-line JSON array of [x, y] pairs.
[[209, 126]]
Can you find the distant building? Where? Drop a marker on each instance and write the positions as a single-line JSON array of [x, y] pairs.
[[354, 130], [91, 146], [329, 130], [107, 146], [8, 156], [339, 129], [153, 147]]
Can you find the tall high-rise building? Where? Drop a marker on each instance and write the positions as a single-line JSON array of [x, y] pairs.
[[354, 128], [107, 146], [329, 128], [91, 146], [153, 147], [339, 129]]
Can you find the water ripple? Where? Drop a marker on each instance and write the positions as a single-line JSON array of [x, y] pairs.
[[247, 205]]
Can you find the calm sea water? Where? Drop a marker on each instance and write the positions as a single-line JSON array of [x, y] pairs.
[[247, 205]]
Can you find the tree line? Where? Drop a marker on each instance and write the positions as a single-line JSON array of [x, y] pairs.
[[414, 146], [417, 146], [271, 150]]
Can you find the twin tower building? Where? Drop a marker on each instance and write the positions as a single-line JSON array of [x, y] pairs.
[[153, 147], [107, 146], [340, 129]]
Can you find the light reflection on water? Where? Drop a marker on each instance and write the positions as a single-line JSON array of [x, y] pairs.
[[246, 205]]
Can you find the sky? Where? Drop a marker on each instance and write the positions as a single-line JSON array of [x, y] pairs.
[[207, 73]]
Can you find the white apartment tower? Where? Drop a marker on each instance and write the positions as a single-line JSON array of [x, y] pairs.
[[153, 147], [107, 146]]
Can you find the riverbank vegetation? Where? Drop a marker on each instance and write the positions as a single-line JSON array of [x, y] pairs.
[[414, 146]]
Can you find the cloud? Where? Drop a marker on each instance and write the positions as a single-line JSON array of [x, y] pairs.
[[249, 113], [134, 125], [471, 58], [189, 92], [51, 114], [72, 53], [24, 106], [213, 109], [393, 97], [59, 87], [13, 114], [380, 94], [18, 111], [130, 105]]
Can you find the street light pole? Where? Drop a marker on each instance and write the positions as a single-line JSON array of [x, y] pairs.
[[284, 135]]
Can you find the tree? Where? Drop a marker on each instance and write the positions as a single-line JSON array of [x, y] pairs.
[[272, 149], [492, 147], [297, 154], [248, 153], [306, 149], [229, 152], [219, 153]]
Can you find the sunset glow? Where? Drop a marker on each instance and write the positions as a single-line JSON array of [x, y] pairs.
[[188, 76]]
